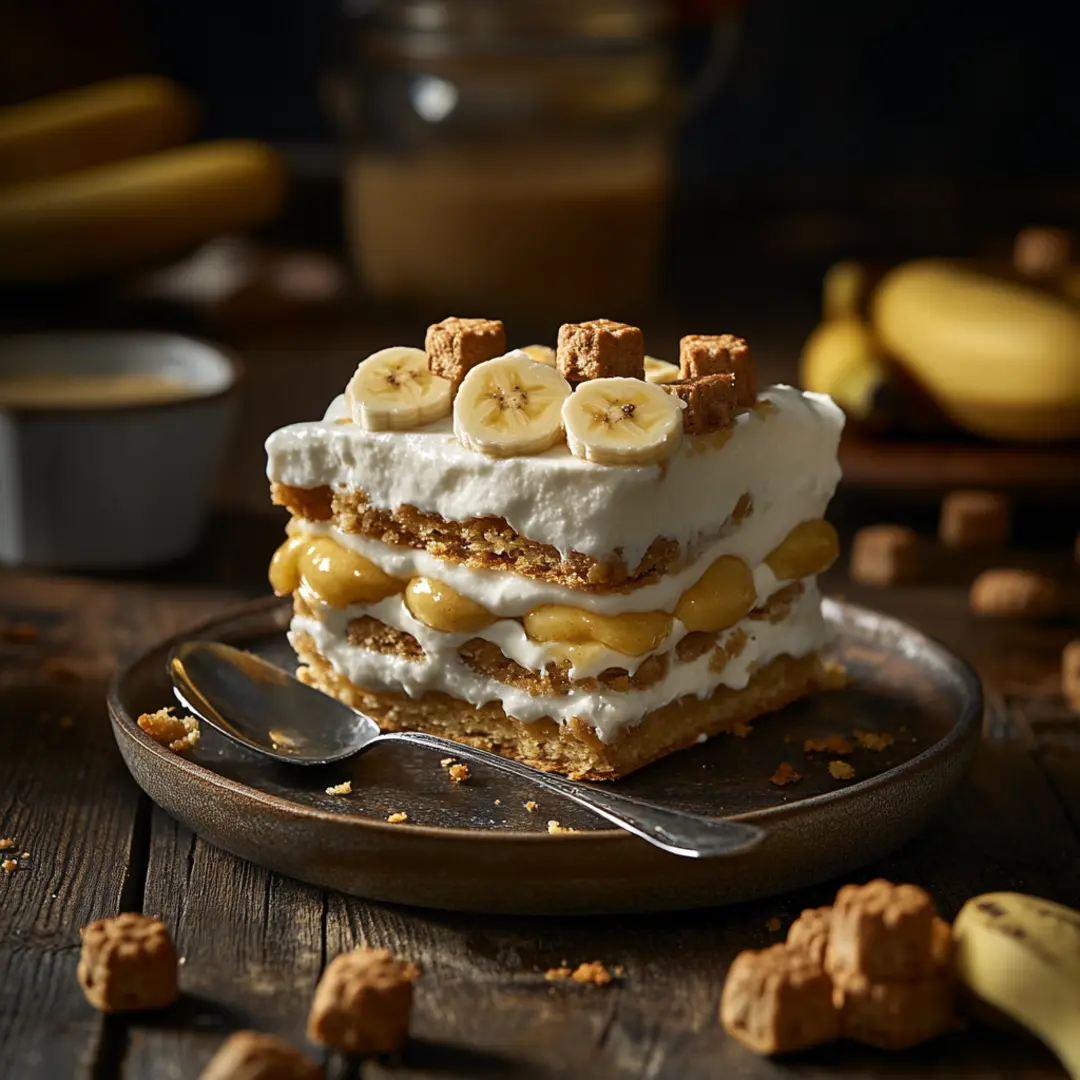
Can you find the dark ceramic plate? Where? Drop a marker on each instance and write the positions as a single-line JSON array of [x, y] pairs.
[[474, 847]]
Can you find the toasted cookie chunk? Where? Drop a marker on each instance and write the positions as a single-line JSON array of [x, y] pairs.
[[885, 555], [1042, 252], [882, 931], [898, 1013], [128, 964], [362, 1002], [251, 1055], [777, 1000], [719, 354], [809, 934], [455, 346], [974, 519], [710, 402], [600, 349], [1070, 674], [1009, 593]]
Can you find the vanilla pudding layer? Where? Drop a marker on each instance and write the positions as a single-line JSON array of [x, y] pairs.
[[747, 646], [555, 517]]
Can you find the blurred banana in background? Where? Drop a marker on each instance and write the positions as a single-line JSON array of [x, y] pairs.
[[97, 180], [996, 351]]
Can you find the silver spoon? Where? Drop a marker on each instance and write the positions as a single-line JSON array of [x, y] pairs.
[[255, 703]]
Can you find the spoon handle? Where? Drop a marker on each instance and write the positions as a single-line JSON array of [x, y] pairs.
[[675, 831]]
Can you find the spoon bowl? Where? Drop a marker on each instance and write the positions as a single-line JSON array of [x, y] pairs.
[[257, 704]]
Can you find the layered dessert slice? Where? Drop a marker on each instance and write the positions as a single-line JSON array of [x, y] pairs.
[[571, 557]]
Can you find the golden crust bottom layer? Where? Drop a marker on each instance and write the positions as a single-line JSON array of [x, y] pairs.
[[574, 748], [484, 543]]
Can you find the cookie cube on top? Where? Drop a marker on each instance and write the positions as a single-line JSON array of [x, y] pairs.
[[455, 346], [720, 354], [600, 349]]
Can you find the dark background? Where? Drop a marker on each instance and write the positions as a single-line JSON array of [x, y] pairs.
[[823, 99]]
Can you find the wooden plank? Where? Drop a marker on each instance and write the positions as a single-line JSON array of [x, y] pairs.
[[67, 800], [252, 948]]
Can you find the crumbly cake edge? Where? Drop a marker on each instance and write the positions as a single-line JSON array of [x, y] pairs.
[[573, 749]]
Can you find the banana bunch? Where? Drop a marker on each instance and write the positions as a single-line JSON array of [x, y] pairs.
[[996, 352], [96, 180], [1021, 955]]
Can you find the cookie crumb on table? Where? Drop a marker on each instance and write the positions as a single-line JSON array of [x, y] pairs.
[[9, 866], [773, 924], [875, 967], [178, 733], [785, 774], [246, 1055], [127, 964], [1011, 593], [7, 843], [362, 1002], [344, 788], [459, 773], [778, 1000], [446, 762], [554, 827], [885, 555], [841, 770], [531, 806], [974, 519], [591, 973], [63, 669], [397, 817]]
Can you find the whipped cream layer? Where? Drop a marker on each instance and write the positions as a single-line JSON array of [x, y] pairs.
[[608, 711], [783, 456]]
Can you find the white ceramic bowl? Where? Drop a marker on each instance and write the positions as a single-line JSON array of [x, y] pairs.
[[97, 487]]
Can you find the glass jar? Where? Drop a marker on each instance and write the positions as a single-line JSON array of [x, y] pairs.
[[508, 155]]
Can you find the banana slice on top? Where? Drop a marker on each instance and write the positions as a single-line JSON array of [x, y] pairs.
[[393, 390], [661, 371], [509, 406], [622, 422]]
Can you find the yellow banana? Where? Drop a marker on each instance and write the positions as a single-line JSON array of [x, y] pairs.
[[845, 290], [1000, 357], [93, 125], [841, 358], [135, 211], [1021, 955]]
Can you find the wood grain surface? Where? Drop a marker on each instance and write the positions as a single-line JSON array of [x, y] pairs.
[[253, 943]]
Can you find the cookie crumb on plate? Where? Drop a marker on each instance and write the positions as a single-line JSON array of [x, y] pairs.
[[178, 733], [785, 774]]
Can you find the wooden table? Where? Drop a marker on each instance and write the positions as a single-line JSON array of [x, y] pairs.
[[253, 943]]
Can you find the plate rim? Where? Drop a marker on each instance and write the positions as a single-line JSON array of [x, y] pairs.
[[124, 725]]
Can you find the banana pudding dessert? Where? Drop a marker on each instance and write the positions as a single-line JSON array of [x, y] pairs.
[[582, 558]]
